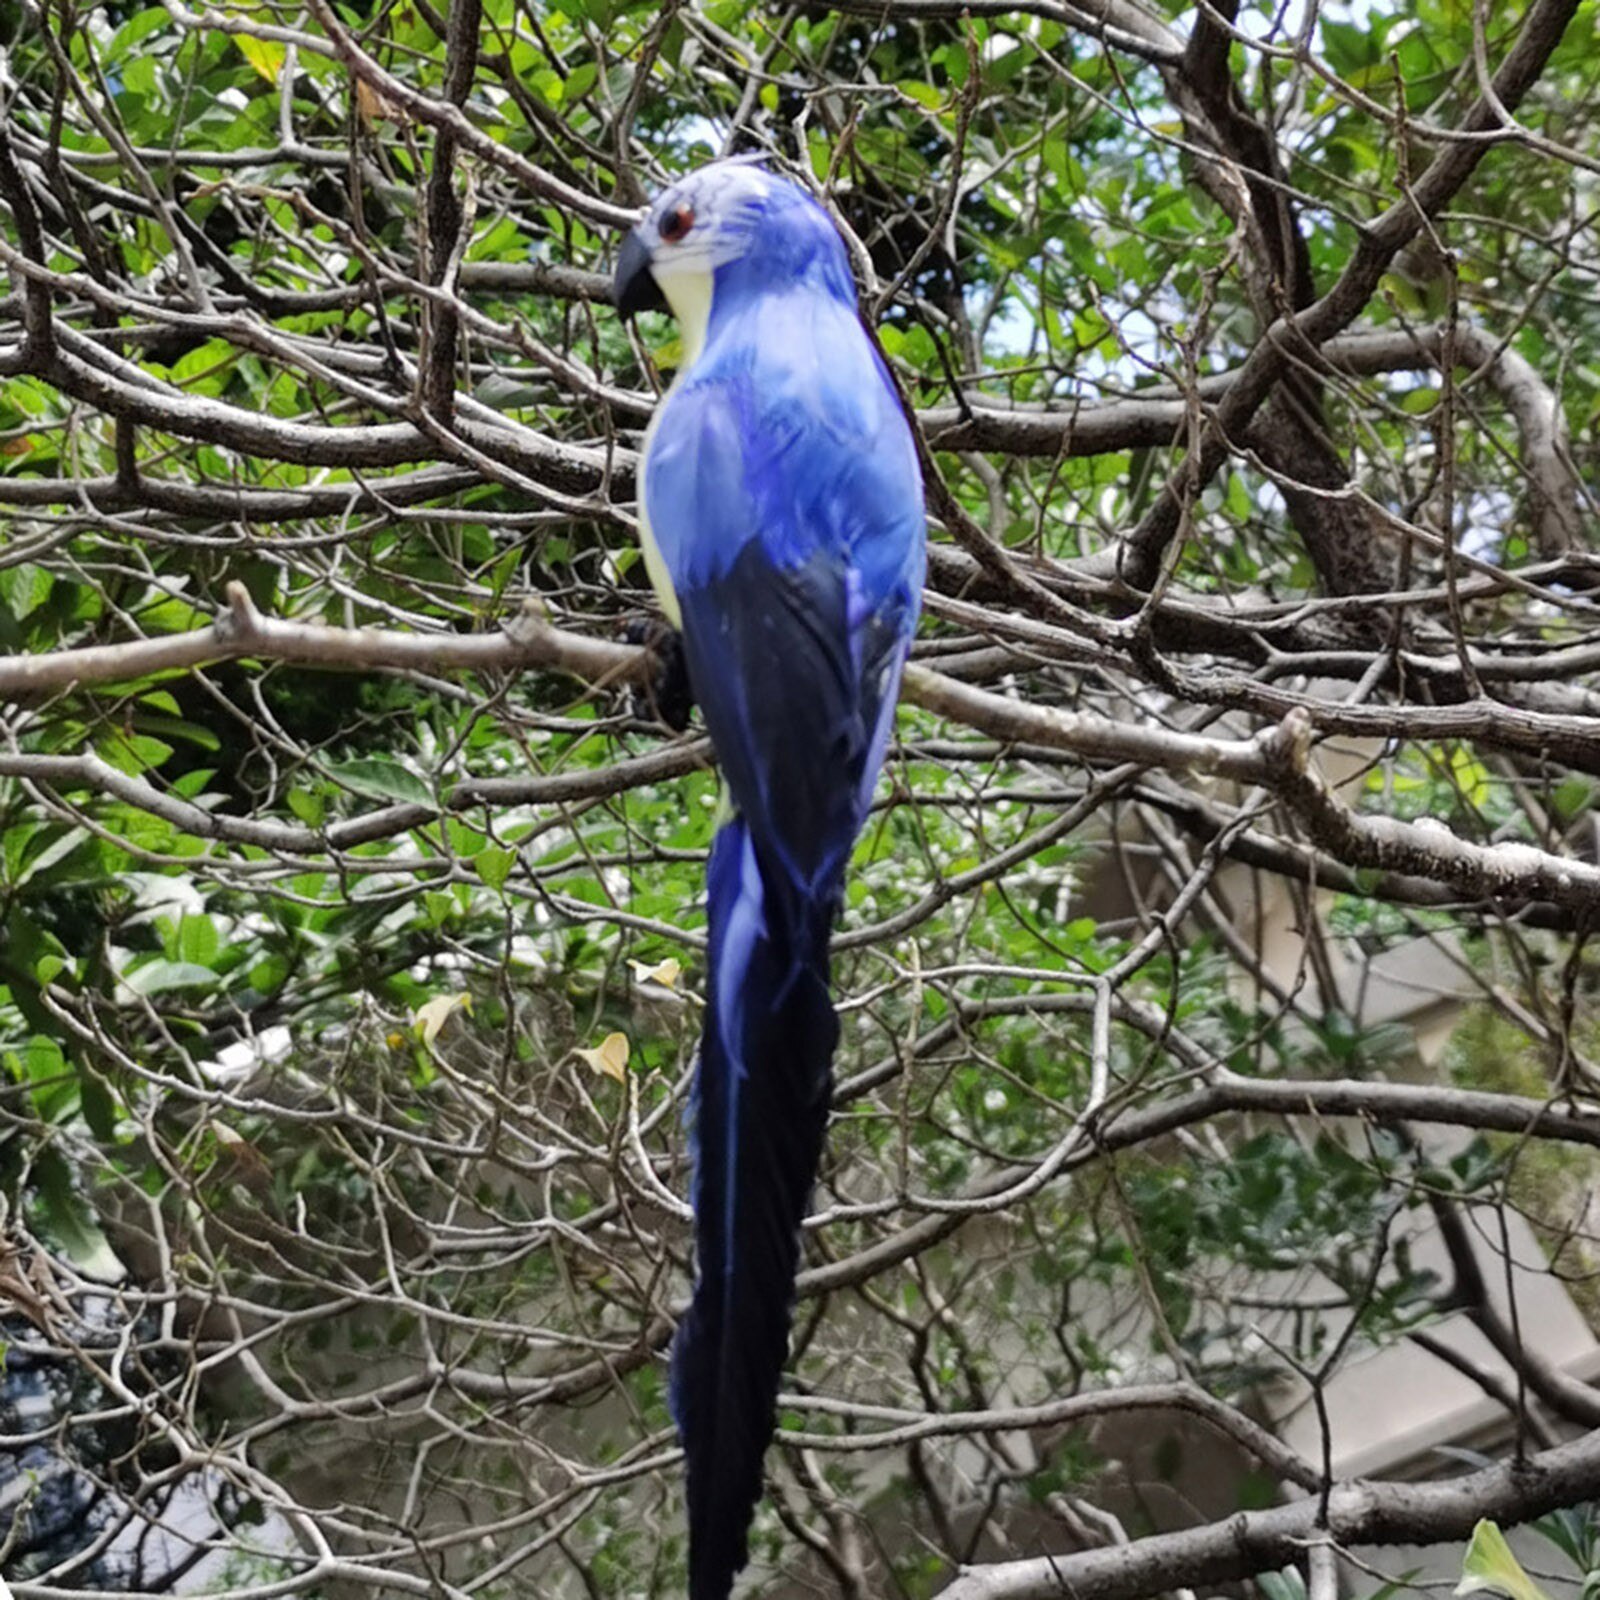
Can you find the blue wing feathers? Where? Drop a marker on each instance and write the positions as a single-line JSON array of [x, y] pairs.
[[761, 1106], [788, 432], [785, 497], [769, 658]]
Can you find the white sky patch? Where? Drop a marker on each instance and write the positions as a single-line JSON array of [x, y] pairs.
[[1011, 328], [1483, 528], [1280, 23], [690, 131]]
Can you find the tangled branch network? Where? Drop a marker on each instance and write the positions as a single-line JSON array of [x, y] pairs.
[[1214, 969]]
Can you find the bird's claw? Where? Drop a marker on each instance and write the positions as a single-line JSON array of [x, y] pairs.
[[664, 695]]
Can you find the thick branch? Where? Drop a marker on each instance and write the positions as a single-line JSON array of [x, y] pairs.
[[445, 214], [1277, 758], [528, 641], [1260, 1541], [1157, 420], [1298, 337], [287, 838]]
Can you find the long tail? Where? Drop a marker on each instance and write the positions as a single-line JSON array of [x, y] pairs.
[[760, 1110]]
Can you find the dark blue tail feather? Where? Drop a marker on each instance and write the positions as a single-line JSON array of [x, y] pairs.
[[760, 1110]]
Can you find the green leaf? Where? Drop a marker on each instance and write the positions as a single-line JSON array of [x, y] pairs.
[[24, 589], [210, 360], [135, 31], [308, 807], [172, 615], [156, 977], [39, 1059], [197, 940], [134, 754], [923, 93], [179, 728], [265, 55], [1284, 1585], [1573, 795], [1490, 1565], [494, 865], [139, 76], [68, 1221], [99, 1106], [27, 868], [383, 780], [548, 85]]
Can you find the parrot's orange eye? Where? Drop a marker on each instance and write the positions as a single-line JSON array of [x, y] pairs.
[[676, 224]]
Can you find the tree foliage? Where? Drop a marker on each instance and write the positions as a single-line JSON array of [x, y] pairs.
[[351, 890]]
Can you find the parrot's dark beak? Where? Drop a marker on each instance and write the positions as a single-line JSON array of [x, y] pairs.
[[635, 288]]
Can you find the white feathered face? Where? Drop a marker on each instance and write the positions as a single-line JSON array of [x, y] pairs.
[[702, 222]]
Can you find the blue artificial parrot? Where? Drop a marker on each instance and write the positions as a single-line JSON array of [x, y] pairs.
[[781, 512]]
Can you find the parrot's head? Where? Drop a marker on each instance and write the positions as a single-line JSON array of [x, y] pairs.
[[729, 226]]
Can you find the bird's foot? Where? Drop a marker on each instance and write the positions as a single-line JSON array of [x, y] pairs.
[[664, 695]]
